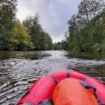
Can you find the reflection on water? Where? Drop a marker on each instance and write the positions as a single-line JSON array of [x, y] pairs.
[[19, 69], [19, 54]]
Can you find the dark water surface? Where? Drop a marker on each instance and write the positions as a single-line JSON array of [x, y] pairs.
[[19, 69]]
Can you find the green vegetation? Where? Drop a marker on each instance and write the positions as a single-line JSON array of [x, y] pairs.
[[87, 28], [40, 38], [15, 35], [63, 45], [86, 32], [19, 38], [7, 18]]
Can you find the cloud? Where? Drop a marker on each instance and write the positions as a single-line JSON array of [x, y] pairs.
[[53, 14]]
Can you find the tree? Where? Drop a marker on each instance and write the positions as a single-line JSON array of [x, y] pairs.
[[87, 28], [20, 39], [48, 42], [40, 38], [90, 8], [73, 32], [84, 9], [7, 17], [32, 23]]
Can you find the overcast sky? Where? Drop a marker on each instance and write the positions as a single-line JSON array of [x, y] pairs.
[[53, 14]]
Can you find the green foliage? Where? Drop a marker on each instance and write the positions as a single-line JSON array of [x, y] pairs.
[[7, 17], [87, 36], [20, 39], [17, 36], [63, 45], [40, 38]]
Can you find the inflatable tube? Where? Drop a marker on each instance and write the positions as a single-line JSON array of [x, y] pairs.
[[70, 74], [39, 91], [43, 89], [100, 88]]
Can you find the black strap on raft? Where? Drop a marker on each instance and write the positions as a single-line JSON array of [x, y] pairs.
[[55, 81], [46, 102], [25, 103], [68, 74], [87, 86]]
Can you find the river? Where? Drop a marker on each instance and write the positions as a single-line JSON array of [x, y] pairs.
[[18, 70]]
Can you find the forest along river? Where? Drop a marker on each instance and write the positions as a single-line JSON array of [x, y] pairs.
[[18, 70]]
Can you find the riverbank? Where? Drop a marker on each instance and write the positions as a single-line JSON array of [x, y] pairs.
[[101, 71], [96, 71], [96, 56]]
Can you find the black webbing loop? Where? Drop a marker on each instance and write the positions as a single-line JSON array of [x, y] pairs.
[[55, 81], [25, 103], [46, 102], [68, 74], [87, 86]]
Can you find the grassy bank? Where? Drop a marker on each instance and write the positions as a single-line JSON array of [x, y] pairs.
[[101, 70], [97, 56]]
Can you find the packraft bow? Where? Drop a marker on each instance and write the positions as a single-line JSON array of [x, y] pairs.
[[42, 90]]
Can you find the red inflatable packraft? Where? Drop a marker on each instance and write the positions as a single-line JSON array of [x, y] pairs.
[[44, 88]]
